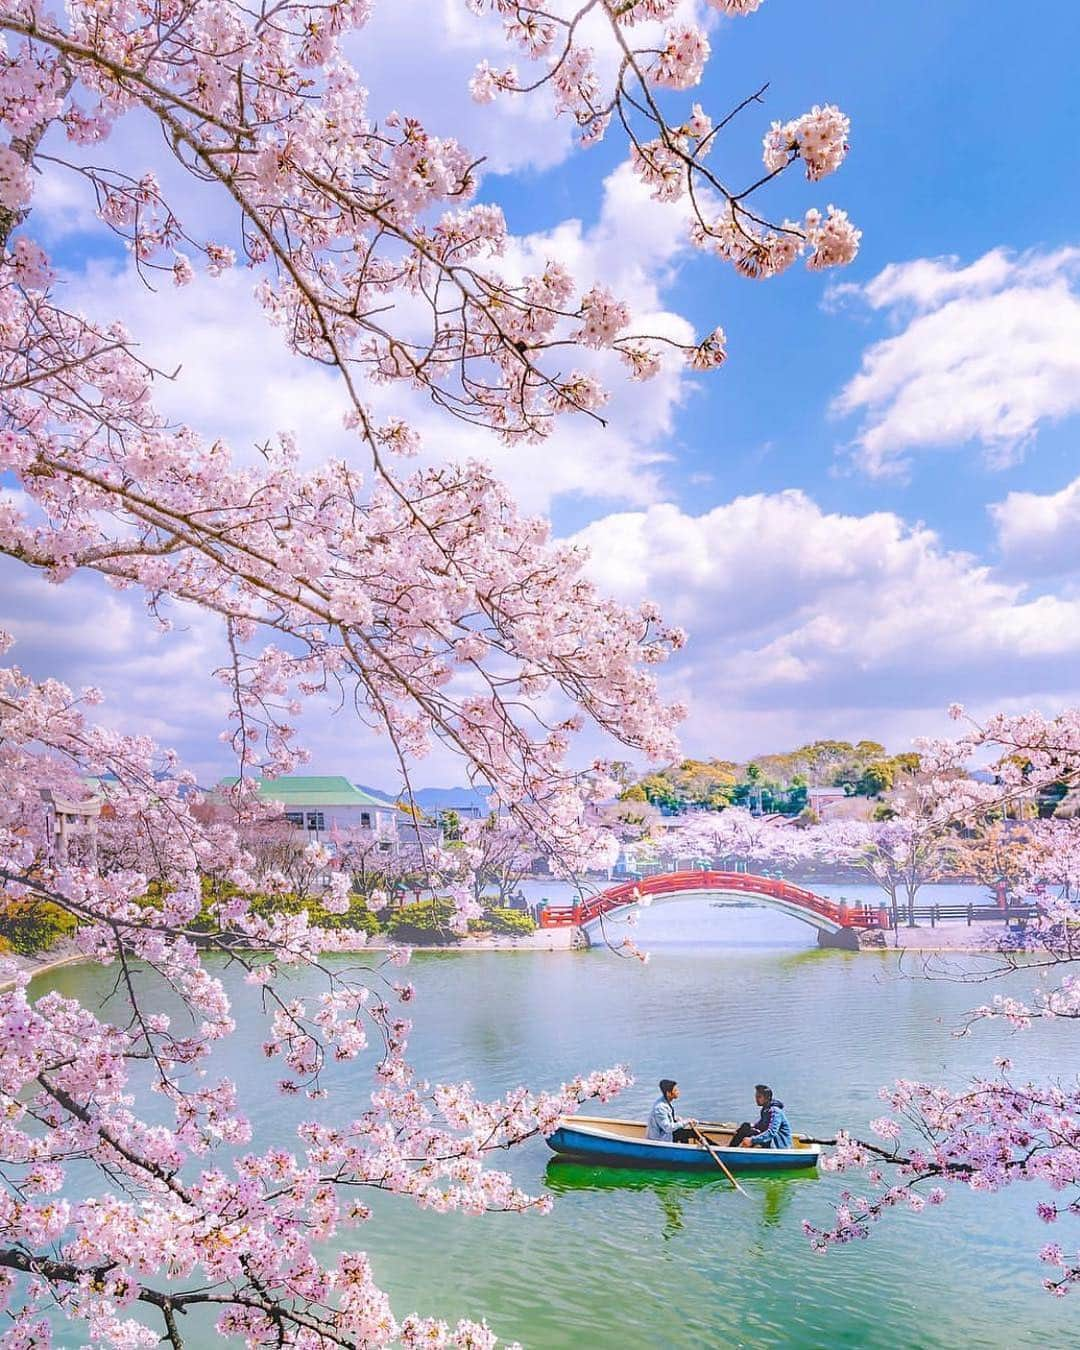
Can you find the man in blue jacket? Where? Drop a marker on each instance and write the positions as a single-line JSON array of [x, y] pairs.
[[771, 1130]]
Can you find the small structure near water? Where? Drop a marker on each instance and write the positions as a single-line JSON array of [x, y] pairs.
[[837, 923], [69, 822]]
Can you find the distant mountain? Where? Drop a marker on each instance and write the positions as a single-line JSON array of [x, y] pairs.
[[433, 800], [379, 792]]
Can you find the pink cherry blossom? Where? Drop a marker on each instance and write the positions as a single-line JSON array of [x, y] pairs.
[[818, 138], [420, 594], [681, 63], [993, 1132]]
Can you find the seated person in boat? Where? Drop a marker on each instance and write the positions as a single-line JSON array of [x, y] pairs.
[[772, 1129], [664, 1124]]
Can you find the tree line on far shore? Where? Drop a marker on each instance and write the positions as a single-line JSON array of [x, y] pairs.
[[781, 783]]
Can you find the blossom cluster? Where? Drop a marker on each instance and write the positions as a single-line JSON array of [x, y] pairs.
[[421, 594], [993, 1134], [671, 157], [818, 138], [240, 1235]]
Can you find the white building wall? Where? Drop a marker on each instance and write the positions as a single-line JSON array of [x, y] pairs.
[[322, 820]]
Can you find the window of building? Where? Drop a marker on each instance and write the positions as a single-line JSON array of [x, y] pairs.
[[315, 820], [365, 820], [295, 818]]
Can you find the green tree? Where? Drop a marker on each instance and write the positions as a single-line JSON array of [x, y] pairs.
[[661, 792], [796, 800], [876, 778]]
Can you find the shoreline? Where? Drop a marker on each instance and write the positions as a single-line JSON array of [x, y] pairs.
[[34, 966], [543, 940], [978, 939], [935, 951], [558, 940]]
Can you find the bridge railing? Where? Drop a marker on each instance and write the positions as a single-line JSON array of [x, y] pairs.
[[970, 913], [559, 916], [846, 916], [627, 892]]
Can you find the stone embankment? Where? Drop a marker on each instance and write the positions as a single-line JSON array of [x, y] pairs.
[[65, 953], [955, 937]]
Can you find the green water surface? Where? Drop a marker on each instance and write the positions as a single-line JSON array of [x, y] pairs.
[[655, 1259]]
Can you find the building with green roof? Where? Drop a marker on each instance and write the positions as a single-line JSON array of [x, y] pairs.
[[321, 803]]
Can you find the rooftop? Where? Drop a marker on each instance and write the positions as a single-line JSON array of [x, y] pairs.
[[315, 790]]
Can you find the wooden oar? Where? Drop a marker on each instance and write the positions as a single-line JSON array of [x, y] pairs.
[[718, 1160]]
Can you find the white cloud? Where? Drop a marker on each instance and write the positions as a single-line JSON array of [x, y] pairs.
[[804, 622], [416, 56], [986, 353], [236, 379], [1040, 532], [63, 206], [84, 632]]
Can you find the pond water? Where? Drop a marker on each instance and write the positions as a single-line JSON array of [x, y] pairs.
[[629, 1259]]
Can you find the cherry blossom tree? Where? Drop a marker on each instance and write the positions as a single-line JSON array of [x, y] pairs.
[[498, 855], [996, 1131], [732, 835], [1054, 859], [380, 868], [1005, 856], [899, 856], [419, 596]]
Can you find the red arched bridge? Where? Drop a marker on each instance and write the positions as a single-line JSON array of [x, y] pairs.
[[837, 923]]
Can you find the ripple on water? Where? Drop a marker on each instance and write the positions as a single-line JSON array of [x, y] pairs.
[[627, 1260]]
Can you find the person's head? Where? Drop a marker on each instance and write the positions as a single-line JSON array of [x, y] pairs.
[[669, 1088], [762, 1094]]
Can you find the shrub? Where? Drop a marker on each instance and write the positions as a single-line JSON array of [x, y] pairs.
[[358, 917], [509, 922], [35, 926], [428, 921]]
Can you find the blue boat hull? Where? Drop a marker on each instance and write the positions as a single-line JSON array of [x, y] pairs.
[[593, 1145]]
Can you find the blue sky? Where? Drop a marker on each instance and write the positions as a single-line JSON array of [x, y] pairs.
[[960, 115], [844, 570]]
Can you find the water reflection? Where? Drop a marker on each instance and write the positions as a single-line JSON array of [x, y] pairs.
[[563, 1177], [777, 1195], [771, 1195], [633, 1260]]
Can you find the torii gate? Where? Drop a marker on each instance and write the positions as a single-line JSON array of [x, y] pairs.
[[837, 923], [67, 820]]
